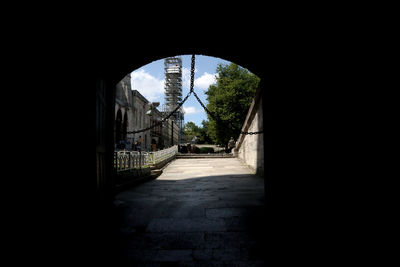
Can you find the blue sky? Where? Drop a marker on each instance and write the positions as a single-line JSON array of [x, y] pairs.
[[149, 81]]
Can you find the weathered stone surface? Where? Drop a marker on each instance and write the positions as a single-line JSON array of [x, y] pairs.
[[194, 216], [203, 254], [225, 212], [173, 255], [220, 239], [169, 240], [250, 148], [186, 225], [230, 254], [141, 254]]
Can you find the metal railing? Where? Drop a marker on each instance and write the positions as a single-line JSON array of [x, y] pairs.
[[127, 160], [161, 155], [130, 160]]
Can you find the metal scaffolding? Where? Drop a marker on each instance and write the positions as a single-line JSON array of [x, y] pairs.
[[173, 90]]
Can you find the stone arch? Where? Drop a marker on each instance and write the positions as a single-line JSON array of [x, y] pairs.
[[89, 205], [255, 60]]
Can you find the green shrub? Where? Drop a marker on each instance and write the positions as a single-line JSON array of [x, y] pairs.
[[196, 150], [206, 150]]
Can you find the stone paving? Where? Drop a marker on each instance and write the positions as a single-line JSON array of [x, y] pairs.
[[199, 212]]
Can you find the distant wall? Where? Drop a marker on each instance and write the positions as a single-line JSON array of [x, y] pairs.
[[250, 148]]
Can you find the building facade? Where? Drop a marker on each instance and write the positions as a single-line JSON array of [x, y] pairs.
[[170, 132], [141, 119], [134, 112], [156, 132], [123, 111]]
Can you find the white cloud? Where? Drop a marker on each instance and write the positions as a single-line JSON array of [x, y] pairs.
[[153, 89], [190, 110], [186, 77], [205, 80], [202, 82], [149, 86]]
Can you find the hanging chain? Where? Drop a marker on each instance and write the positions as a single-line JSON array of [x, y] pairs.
[[219, 120], [192, 69], [205, 108], [192, 74], [177, 107], [163, 119], [251, 133]]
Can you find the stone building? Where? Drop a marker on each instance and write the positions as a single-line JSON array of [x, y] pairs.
[[170, 133], [134, 112], [156, 132], [130, 115], [123, 111], [141, 119]]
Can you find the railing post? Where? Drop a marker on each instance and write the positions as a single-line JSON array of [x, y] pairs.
[[130, 161], [119, 161], [124, 158]]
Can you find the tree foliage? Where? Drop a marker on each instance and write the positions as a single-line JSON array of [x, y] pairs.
[[229, 99], [191, 129]]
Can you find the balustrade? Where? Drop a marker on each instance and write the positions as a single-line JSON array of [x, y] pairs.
[[129, 160]]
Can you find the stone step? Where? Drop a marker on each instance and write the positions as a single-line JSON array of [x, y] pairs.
[[197, 156]]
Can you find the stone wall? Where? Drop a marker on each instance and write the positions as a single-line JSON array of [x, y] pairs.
[[250, 148], [140, 120]]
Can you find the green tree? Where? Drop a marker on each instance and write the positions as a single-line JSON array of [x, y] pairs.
[[229, 100], [204, 137], [190, 130]]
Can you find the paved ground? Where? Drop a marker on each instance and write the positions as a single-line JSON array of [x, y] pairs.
[[216, 148], [199, 212]]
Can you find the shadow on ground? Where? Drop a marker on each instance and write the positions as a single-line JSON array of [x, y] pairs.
[[201, 221]]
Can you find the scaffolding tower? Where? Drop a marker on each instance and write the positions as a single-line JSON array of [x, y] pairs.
[[173, 91]]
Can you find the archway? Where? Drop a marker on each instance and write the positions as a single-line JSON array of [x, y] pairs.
[[110, 72], [146, 215], [111, 76], [252, 63], [94, 71]]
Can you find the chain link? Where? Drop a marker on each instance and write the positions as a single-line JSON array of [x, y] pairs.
[[219, 120], [205, 108], [192, 73], [192, 69], [178, 106], [163, 119], [251, 133]]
